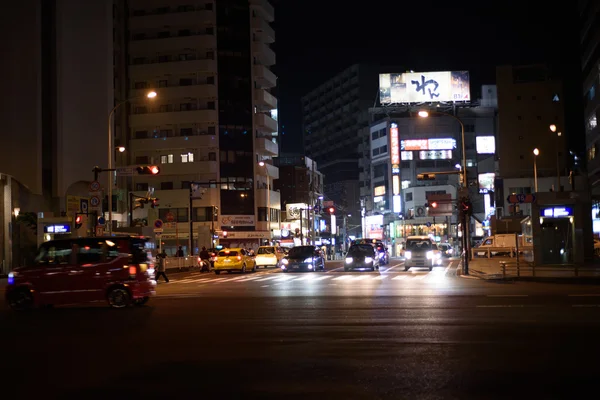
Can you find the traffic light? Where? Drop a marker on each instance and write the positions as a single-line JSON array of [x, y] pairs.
[[148, 170], [224, 234], [465, 206], [331, 210], [433, 205], [154, 202], [425, 177], [138, 203], [78, 221]]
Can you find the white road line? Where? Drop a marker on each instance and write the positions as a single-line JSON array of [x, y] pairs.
[[249, 279], [448, 267], [265, 285], [267, 278], [331, 270], [323, 277], [399, 277], [420, 277], [218, 280], [203, 280], [380, 277], [585, 295], [507, 295], [395, 266], [342, 278]]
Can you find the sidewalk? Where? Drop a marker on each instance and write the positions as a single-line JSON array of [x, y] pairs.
[[490, 269]]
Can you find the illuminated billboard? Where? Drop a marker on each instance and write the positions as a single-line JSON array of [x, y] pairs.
[[394, 146], [485, 145], [486, 182], [428, 144], [424, 87]]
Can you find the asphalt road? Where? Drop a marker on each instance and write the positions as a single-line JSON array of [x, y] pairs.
[[326, 335]]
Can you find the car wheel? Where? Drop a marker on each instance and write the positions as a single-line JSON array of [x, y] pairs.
[[20, 300], [243, 271], [431, 268], [118, 297], [217, 272], [254, 268], [142, 301], [406, 268]]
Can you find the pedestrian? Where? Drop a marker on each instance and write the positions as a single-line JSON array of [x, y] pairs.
[[179, 252], [160, 270]]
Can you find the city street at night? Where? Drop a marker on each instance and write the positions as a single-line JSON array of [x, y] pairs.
[[332, 334]]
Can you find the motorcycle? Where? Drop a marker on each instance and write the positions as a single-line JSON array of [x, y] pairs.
[[204, 265]]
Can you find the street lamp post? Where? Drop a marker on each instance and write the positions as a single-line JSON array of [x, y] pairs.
[[465, 222], [553, 129], [268, 216], [111, 150], [536, 153]]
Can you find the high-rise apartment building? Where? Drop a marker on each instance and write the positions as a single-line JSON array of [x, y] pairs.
[[589, 16], [212, 122], [335, 119], [57, 92]]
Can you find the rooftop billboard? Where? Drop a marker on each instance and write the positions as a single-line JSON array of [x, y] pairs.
[[424, 87]]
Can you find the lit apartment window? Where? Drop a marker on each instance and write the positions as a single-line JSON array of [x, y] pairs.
[[592, 123], [187, 157], [166, 159]]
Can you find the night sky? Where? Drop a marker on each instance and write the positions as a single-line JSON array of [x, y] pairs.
[[317, 39]]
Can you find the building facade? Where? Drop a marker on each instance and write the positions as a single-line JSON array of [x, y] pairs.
[[335, 119], [57, 94], [404, 146], [212, 124]]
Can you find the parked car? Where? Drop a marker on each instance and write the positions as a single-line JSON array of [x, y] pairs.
[[303, 258], [362, 256], [235, 259], [117, 269], [269, 256]]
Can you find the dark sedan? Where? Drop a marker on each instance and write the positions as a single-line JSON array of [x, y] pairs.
[[303, 258], [361, 256]]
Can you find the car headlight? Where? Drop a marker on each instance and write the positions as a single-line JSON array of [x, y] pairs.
[[349, 260], [429, 255], [407, 255], [284, 261], [368, 260], [11, 278], [438, 255], [308, 260]]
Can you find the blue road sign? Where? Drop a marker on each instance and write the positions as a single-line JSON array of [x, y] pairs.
[[101, 221], [158, 224], [428, 224]]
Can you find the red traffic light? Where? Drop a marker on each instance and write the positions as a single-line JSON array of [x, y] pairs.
[[148, 170], [78, 221], [154, 203], [154, 170], [434, 204], [331, 210], [224, 233]]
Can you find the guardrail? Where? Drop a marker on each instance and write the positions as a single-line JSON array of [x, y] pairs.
[[180, 262], [489, 250], [531, 269]]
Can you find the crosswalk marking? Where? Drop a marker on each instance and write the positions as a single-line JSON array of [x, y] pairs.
[[281, 278]]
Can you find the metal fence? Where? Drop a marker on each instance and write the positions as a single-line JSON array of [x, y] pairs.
[[181, 262], [519, 269]]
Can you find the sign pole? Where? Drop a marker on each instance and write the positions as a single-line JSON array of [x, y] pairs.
[[191, 221]]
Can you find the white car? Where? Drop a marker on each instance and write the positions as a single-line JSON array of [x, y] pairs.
[[421, 251], [269, 256]]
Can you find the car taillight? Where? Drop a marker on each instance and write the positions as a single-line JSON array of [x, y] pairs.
[[132, 271], [239, 258]]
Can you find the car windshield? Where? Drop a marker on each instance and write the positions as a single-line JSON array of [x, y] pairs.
[[301, 251], [141, 252], [227, 253], [418, 244], [266, 250], [361, 249]]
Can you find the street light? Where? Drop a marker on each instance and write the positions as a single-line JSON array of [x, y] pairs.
[[554, 129], [268, 216], [465, 185], [121, 149], [536, 153], [149, 95]]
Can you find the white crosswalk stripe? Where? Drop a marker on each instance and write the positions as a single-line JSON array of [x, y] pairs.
[[287, 278]]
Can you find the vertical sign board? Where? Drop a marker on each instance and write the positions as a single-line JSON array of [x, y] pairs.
[[395, 159]]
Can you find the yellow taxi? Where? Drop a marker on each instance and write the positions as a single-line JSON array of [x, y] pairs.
[[234, 259]]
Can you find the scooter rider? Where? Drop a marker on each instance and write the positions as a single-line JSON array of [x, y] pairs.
[[205, 257]]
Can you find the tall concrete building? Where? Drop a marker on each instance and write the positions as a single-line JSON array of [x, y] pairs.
[[335, 119], [57, 92], [589, 15], [214, 120], [530, 100]]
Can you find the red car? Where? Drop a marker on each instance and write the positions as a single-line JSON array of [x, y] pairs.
[[117, 269]]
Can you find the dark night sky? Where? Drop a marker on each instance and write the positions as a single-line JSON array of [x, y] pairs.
[[317, 39]]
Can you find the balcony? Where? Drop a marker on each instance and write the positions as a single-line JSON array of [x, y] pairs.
[[264, 100], [176, 142], [271, 170], [158, 21], [180, 92], [153, 46], [264, 77], [175, 117], [265, 146], [192, 168], [172, 68], [262, 30], [264, 8], [265, 123], [263, 54], [261, 198]]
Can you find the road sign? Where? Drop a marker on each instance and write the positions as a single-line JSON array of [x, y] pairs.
[[95, 186], [95, 203], [521, 198], [428, 224], [158, 224], [101, 221], [170, 217], [126, 171], [170, 225], [158, 230], [83, 205], [99, 230]]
